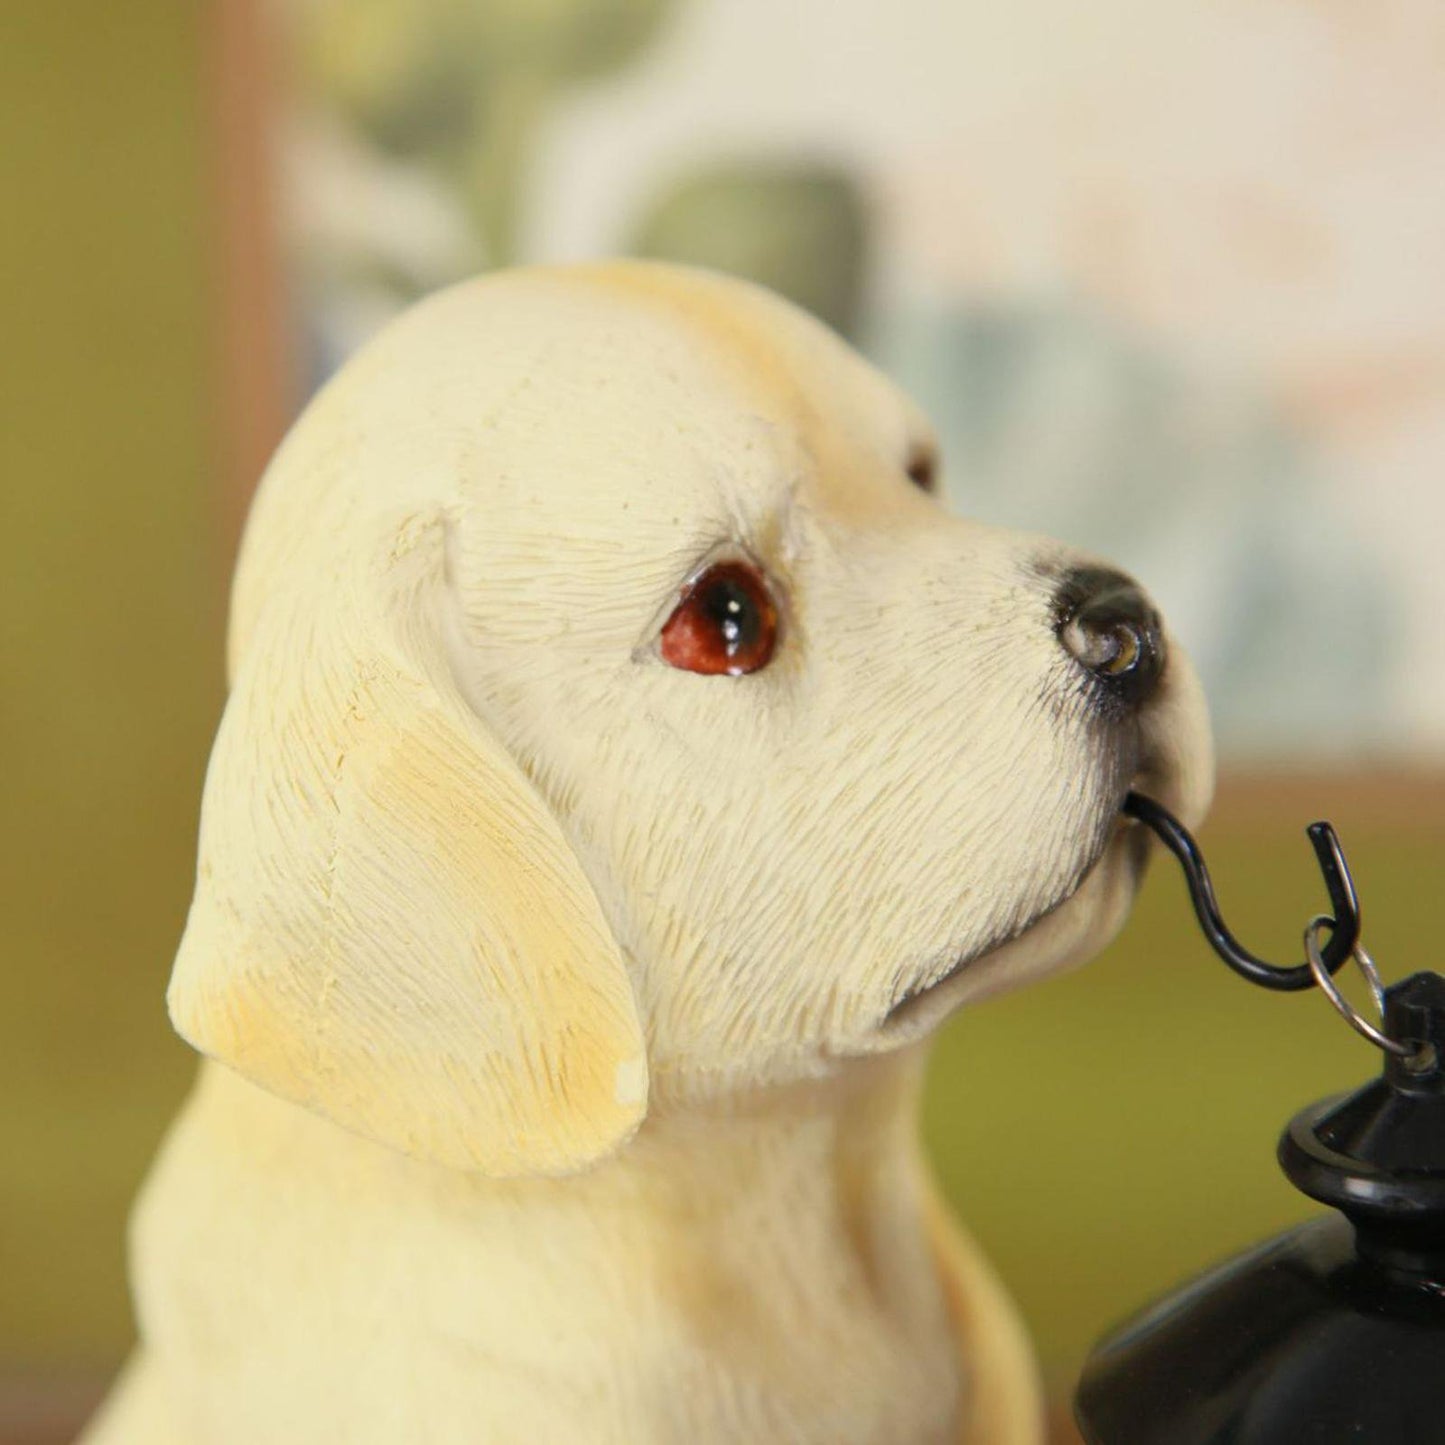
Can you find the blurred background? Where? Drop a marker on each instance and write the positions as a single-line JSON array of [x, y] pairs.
[[1167, 277]]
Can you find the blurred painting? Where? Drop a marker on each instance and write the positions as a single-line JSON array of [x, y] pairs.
[[1164, 276]]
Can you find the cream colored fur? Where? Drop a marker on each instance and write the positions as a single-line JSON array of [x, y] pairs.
[[562, 1069]]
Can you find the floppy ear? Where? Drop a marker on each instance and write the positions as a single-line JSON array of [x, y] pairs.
[[389, 926]]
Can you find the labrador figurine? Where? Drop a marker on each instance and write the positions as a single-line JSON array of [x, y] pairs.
[[628, 763]]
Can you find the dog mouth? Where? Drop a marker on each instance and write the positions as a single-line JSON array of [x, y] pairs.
[[1126, 844]]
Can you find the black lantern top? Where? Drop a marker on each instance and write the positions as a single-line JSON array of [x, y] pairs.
[[1333, 1333]]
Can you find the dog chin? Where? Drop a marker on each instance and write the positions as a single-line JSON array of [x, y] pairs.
[[1062, 936]]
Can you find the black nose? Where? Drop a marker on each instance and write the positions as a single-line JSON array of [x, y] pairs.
[[1111, 629]]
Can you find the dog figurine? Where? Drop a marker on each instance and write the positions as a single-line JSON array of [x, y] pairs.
[[628, 763]]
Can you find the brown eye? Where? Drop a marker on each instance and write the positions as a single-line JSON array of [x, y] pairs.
[[726, 622], [923, 471]]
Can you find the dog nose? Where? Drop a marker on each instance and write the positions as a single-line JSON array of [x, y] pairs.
[[1111, 629]]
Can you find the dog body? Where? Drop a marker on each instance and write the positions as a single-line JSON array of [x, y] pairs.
[[765, 1274], [626, 767]]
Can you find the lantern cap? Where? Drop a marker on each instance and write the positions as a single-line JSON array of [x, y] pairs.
[[1378, 1155]]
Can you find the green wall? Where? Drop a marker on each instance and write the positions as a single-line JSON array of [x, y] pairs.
[[109, 641]]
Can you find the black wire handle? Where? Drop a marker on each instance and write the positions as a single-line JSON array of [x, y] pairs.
[[1344, 920]]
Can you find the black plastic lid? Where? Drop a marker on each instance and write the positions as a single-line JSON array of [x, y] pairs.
[[1328, 1335], [1378, 1155]]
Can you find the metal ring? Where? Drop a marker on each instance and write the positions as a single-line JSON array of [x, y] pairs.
[[1361, 1026]]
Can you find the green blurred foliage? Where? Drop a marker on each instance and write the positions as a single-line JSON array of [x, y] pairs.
[[403, 75], [465, 84], [799, 227], [410, 73]]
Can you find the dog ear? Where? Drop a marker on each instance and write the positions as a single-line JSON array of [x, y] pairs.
[[389, 926]]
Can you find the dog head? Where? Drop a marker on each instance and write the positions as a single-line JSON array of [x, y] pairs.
[[615, 715]]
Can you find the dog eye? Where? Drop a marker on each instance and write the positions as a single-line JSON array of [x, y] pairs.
[[922, 471], [725, 622]]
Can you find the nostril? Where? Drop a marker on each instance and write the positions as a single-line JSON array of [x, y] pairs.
[[1109, 647], [1108, 625]]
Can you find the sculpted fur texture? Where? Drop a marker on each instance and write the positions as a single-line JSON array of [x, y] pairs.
[[562, 984]]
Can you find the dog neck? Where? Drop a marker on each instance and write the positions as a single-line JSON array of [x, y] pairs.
[[772, 1245], [823, 1176], [850, 1135]]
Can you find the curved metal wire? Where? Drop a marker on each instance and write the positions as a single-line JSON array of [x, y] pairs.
[[1344, 920]]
